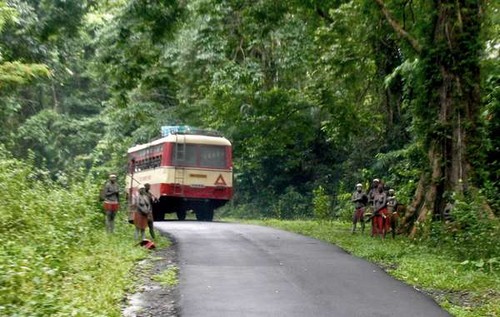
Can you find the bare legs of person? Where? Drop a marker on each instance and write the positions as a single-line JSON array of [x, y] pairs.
[[110, 221], [141, 232], [151, 229]]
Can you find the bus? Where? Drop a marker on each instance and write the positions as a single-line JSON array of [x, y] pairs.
[[188, 169]]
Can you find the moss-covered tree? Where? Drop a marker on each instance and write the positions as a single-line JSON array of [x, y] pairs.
[[447, 45]]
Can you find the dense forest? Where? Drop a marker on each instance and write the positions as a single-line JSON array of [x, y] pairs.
[[317, 93], [315, 96]]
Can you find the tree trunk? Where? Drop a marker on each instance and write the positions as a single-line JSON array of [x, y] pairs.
[[455, 100]]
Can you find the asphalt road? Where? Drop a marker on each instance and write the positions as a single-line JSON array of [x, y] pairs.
[[231, 269]]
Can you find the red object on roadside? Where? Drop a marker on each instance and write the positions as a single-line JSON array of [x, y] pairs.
[[148, 244]]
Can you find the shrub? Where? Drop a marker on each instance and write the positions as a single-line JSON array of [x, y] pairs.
[[343, 206], [471, 234], [321, 204], [292, 205], [55, 259]]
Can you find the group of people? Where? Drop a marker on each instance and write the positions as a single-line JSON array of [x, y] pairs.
[[379, 206], [141, 207], [376, 205]]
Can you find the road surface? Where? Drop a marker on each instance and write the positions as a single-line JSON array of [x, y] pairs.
[[231, 269]]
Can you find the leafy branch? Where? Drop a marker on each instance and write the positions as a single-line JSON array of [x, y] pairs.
[[398, 28]]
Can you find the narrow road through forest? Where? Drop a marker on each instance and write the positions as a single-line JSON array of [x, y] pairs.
[[229, 269]]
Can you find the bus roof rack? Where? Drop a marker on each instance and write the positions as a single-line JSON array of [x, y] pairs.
[[185, 129]]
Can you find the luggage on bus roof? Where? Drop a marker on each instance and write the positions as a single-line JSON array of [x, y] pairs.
[[185, 129]]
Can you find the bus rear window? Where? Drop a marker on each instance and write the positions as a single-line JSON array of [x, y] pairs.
[[212, 156], [184, 154]]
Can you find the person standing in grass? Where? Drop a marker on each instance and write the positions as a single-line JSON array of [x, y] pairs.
[[379, 211], [143, 210], [111, 195], [373, 190], [152, 199], [360, 200], [392, 214]]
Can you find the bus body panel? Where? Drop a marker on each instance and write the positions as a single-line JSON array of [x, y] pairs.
[[197, 182], [186, 172]]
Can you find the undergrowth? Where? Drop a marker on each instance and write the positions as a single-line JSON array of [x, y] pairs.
[[169, 277], [55, 257]]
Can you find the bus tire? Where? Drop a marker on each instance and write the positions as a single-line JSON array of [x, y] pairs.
[[209, 215], [200, 215], [159, 216], [181, 215]]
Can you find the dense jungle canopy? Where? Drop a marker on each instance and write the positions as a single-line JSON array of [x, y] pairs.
[[311, 93]]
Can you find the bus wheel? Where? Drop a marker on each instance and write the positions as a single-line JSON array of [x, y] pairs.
[[205, 215], [158, 216], [181, 215], [200, 215], [209, 215]]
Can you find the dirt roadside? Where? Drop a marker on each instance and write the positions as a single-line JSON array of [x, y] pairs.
[[153, 298]]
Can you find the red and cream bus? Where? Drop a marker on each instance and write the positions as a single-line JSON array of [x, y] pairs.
[[188, 169]]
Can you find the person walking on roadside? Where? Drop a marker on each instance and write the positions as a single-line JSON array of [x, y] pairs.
[[152, 200], [143, 209], [360, 200], [111, 195]]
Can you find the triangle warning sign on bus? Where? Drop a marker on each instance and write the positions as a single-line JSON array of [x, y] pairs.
[[220, 180]]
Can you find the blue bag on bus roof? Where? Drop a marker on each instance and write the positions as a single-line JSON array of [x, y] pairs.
[[173, 129]]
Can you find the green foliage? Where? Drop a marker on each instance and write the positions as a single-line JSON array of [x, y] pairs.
[[343, 208], [168, 277], [55, 258], [472, 234], [321, 204], [400, 170], [53, 137], [16, 73], [6, 14], [291, 205]]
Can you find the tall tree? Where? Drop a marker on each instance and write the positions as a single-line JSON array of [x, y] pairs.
[[447, 45], [55, 117]]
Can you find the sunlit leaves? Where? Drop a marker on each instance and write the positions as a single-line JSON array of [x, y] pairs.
[[16, 73]]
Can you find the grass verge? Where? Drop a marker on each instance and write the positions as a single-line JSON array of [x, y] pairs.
[[101, 275], [55, 257], [463, 290], [169, 277]]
